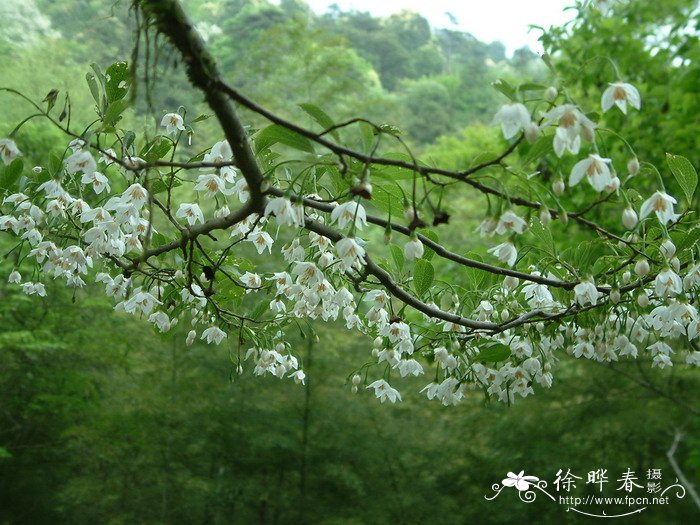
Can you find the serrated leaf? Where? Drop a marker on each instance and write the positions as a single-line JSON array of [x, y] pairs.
[[685, 174], [397, 256], [544, 236], [276, 134], [321, 118], [493, 354], [388, 198], [423, 275]]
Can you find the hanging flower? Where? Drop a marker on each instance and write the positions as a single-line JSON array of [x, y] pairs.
[[660, 203], [619, 94], [172, 122], [596, 169], [512, 118]]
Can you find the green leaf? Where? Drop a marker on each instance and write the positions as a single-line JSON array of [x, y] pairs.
[[321, 117], [505, 88], [423, 275], [114, 111], [429, 253], [278, 134], [260, 309], [160, 185], [397, 255], [11, 174], [685, 174], [55, 164], [201, 118], [544, 236], [94, 88], [493, 353], [388, 198], [157, 149], [367, 133], [117, 81]]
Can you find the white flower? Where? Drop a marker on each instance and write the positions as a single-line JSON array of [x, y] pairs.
[[99, 182], [409, 367], [662, 204], [285, 213], [81, 161], [487, 227], [261, 240], [572, 126], [299, 376], [190, 212], [136, 195], [413, 249], [9, 150], [251, 280], [212, 184], [505, 252], [619, 94], [350, 251], [14, 278], [512, 118], [596, 169], [519, 481], [172, 122], [667, 283], [191, 335], [213, 334], [509, 221], [349, 212], [585, 292], [384, 391]]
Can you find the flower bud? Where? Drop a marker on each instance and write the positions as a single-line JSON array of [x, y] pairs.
[[511, 283], [455, 346], [356, 379], [279, 348], [375, 352], [614, 185], [615, 296], [505, 315], [633, 166], [378, 342], [539, 326], [629, 218], [626, 277], [190, 337], [587, 133], [641, 268], [676, 264], [564, 217], [667, 249], [532, 132], [545, 216], [37, 169], [550, 94], [558, 187], [409, 214], [643, 300]]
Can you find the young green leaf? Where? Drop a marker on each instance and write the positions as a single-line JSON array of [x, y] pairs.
[[685, 174]]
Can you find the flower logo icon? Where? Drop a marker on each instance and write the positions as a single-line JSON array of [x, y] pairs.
[[519, 481]]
